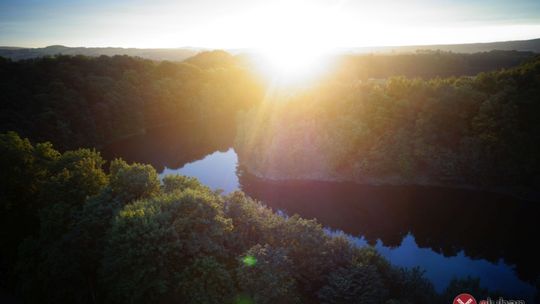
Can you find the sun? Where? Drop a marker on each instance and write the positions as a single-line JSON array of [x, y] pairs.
[[293, 65], [296, 45]]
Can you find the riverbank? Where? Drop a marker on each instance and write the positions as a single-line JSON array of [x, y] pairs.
[[519, 192]]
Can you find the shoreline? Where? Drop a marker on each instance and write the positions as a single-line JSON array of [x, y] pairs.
[[518, 192]]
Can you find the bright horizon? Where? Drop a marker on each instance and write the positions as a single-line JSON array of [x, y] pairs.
[[257, 24]]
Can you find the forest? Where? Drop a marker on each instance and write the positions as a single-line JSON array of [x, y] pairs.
[[73, 232], [472, 131], [77, 227], [79, 101], [428, 64], [87, 102]]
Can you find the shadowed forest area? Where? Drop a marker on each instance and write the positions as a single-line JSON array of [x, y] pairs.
[[76, 101], [269, 152], [126, 237], [79, 227], [89, 102]]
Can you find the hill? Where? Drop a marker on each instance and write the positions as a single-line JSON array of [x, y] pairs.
[[179, 54], [172, 54], [532, 45]]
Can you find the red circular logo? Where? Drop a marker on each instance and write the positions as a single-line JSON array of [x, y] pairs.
[[464, 298]]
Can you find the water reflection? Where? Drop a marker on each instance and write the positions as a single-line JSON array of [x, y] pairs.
[[448, 232], [175, 145], [216, 170]]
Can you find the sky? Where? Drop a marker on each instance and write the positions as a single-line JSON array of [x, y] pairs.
[[263, 23]]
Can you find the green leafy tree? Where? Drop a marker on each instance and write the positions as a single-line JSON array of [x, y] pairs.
[[205, 281], [24, 171], [131, 182], [356, 284], [172, 183], [303, 239], [410, 286], [265, 275], [252, 222], [47, 255], [153, 240]]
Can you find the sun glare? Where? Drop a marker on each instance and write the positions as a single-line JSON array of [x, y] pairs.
[[293, 65], [295, 46]]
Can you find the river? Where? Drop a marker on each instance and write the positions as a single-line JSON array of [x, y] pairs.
[[449, 233]]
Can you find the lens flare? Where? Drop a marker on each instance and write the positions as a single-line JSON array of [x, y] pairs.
[[249, 260]]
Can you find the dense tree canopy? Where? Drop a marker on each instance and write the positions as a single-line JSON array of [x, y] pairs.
[[75, 229], [428, 64], [79, 101], [97, 240], [84, 102], [481, 130]]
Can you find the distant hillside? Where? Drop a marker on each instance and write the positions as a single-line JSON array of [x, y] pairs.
[[179, 54], [429, 64], [174, 54], [532, 45]]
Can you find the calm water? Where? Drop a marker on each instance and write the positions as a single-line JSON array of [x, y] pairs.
[[447, 232], [216, 170]]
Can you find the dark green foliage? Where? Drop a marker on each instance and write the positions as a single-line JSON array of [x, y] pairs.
[[265, 274], [75, 176], [252, 222], [356, 284], [410, 286], [24, 169], [78, 101], [205, 281], [133, 181], [123, 237], [58, 186], [429, 64], [172, 183], [73, 233], [151, 242], [467, 285], [88, 238], [303, 239]]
